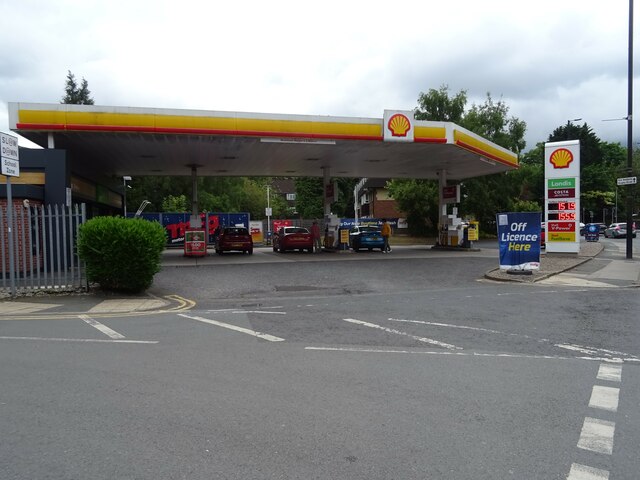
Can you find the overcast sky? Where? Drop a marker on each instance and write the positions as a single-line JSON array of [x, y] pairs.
[[550, 61]]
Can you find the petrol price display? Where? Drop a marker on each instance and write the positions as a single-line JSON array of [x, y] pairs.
[[561, 206]]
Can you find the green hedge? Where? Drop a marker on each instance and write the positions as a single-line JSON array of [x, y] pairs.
[[121, 254]]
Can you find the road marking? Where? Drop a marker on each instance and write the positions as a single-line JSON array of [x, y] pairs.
[[183, 304], [611, 373], [612, 354], [462, 327], [430, 341], [103, 328], [253, 333], [582, 472], [82, 340], [597, 435], [605, 398], [425, 352], [259, 311]]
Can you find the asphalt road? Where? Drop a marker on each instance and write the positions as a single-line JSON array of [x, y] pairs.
[[298, 366]]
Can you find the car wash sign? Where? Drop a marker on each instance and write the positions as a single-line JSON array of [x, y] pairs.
[[519, 239], [562, 196]]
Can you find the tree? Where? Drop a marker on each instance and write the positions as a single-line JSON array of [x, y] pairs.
[[419, 199], [309, 195], [490, 120], [436, 105], [175, 204], [75, 95]]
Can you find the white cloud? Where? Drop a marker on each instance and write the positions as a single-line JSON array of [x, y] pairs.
[[549, 61]]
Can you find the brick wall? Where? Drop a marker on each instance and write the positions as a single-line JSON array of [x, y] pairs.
[[23, 253]]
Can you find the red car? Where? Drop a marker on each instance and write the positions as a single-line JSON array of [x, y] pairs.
[[292, 238], [234, 238]]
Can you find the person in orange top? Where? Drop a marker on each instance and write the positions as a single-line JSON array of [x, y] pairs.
[[386, 233], [315, 234]]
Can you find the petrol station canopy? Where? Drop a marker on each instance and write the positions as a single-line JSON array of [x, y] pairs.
[[117, 141]]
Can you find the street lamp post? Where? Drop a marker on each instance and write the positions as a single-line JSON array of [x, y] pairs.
[[629, 135], [125, 179]]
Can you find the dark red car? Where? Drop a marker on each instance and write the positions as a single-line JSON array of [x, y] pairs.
[[292, 238], [234, 238]]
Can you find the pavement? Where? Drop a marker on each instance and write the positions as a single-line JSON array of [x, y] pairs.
[[551, 264], [557, 269]]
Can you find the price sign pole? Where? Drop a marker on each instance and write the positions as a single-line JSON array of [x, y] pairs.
[[10, 168]]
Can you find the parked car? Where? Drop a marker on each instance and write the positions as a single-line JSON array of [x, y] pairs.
[[619, 230], [365, 237], [292, 238], [234, 238]]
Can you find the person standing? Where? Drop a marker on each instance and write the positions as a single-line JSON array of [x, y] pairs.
[[386, 233], [315, 234]]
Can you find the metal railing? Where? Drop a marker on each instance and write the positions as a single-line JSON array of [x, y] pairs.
[[44, 254]]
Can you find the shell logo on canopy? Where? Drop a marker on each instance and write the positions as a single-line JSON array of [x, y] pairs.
[[398, 126], [561, 158]]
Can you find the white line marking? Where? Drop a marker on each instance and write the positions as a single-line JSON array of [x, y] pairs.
[[103, 328], [430, 341], [253, 333], [259, 311], [611, 373], [605, 398], [462, 327], [85, 340], [582, 472], [597, 435], [594, 350], [423, 352]]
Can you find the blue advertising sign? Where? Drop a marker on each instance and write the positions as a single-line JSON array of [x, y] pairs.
[[176, 224], [519, 240], [592, 232], [367, 222]]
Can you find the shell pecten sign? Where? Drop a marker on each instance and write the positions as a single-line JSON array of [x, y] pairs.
[[398, 126], [561, 158]]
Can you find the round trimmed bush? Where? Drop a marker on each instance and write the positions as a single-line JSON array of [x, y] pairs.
[[121, 254]]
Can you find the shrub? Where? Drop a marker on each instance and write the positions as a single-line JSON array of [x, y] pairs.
[[121, 254]]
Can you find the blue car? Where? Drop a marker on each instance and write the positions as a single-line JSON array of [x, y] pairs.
[[365, 237]]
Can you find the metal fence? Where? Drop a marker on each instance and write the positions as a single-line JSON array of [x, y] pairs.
[[39, 250]]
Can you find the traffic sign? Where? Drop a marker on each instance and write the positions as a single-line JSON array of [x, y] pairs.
[[10, 155], [627, 181]]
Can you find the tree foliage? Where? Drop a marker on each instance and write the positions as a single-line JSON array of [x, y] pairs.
[[74, 94], [436, 105]]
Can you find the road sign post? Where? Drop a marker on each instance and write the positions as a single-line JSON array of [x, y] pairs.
[[10, 168]]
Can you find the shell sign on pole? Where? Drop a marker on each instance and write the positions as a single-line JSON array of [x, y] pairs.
[[562, 196], [398, 125]]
